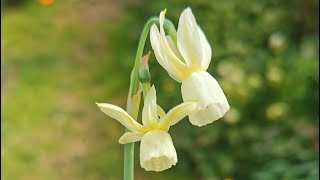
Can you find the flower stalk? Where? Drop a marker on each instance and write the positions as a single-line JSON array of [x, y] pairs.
[[134, 87]]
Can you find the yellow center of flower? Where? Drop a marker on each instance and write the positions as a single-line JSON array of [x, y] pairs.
[[152, 128]]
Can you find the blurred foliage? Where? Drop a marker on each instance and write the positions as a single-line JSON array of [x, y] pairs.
[[14, 3], [265, 57]]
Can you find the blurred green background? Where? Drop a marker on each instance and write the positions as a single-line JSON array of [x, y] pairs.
[[59, 59]]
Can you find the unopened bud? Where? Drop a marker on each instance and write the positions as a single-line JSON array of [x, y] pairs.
[[144, 74]]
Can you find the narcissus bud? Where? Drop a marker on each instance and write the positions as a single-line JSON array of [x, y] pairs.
[[144, 74]]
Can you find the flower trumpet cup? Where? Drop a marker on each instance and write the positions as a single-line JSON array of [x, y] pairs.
[[157, 152], [186, 61]]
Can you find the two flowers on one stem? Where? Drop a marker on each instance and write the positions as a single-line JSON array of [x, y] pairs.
[[186, 60]]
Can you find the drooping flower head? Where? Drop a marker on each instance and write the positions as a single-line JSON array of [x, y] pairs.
[[186, 61], [157, 152]]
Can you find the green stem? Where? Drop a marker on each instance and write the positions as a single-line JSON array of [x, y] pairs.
[[134, 86], [169, 27], [146, 87]]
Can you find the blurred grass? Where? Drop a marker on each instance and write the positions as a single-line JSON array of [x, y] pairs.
[[58, 60]]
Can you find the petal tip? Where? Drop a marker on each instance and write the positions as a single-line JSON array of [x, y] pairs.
[[188, 9], [121, 141], [98, 104]]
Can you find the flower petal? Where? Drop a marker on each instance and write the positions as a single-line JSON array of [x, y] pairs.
[[149, 111], [174, 48], [166, 57], [176, 114], [129, 137], [157, 152], [192, 43], [188, 39], [120, 115], [212, 103], [161, 21], [206, 51], [160, 111]]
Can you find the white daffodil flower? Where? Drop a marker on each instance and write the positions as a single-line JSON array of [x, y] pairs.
[[186, 61], [157, 152]]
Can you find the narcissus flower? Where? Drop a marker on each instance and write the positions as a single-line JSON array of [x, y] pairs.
[[186, 61], [157, 152]]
